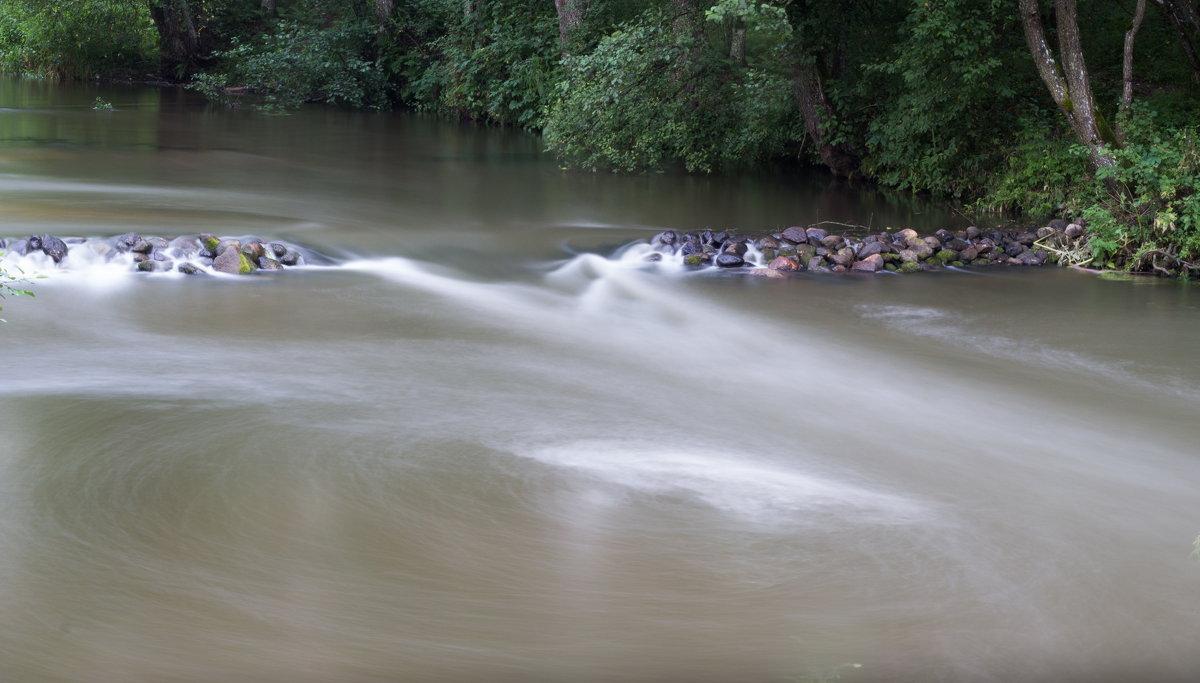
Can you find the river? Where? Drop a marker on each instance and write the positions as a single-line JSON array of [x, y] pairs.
[[481, 444]]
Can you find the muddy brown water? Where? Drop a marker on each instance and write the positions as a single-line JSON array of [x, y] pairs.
[[484, 444]]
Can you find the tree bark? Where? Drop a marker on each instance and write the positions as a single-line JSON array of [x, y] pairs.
[[1127, 62], [810, 98], [383, 13], [268, 7], [179, 43], [570, 18], [737, 42], [1185, 19], [1070, 87]]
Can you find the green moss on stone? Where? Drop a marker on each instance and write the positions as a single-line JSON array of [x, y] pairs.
[[694, 259], [245, 265], [910, 267]]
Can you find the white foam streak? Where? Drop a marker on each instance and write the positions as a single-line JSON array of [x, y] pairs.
[[733, 483]]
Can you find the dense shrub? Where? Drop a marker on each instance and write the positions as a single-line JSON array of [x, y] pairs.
[[77, 38], [301, 62]]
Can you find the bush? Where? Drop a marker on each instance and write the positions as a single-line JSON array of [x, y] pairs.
[[77, 38], [646, 99], [301, 62]]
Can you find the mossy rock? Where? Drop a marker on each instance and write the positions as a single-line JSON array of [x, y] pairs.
[[246, 265], [946, 256], [210, 242], [768, 254], [889, 257], [910, 267], [891, 267], [694, 259], [786, 251], [957, 264], [983, 262]]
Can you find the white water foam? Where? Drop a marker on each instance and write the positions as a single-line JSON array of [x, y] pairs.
[[733, 483]]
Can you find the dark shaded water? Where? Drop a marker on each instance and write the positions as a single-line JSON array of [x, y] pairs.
[[461, 453]]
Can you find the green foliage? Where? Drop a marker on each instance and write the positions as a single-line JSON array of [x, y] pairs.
[[949, 95], [11, 284], [301, 61], [497, 63], [644, 99], [76, 38]]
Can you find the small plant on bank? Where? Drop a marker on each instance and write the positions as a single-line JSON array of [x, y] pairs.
[[11, 285], [102, 104]]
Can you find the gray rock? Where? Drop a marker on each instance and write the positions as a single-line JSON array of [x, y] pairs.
[[265, 263], [796, 234], [189, 269], [53, 247], [228, 261], [1074, 231], [1058, 224], [667, 237], [727, 260]]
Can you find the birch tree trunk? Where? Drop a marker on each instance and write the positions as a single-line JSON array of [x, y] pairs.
[[179, 43], [570, 18], [1069, 87], [1127, 62]]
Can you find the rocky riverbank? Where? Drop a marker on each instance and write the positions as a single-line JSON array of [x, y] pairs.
[[188, 254], [905, 251]]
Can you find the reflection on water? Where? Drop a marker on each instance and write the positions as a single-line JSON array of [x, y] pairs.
[[459, 453]]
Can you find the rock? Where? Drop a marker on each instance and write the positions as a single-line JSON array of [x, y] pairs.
[[785, 264], [33, 243], [973, 233], [870, 248], [209, 241], [843, 257], [265, 263], [943, 235], [187, 244], [908, 256], [1043, 233], [946, 255], [148, 266], [1013, 249], [667, 237], [159, 256], [53, 247], [728, 260], [1058, 224], [123, 242], [1025, 238], [189, 269], [652, 258], [956, 244], [278, 249], [923, 251], [838, 268], [735, 246], [815, 235], [1073, 231], [833, 242], [766, 243], [816, 263], [232, 261], [909, 267], [141, 246], [228, 242], [138, 258], [969, 254], [907, 234], [254, 250], [870, 264], [933, 243], [687, 250], [157, 242], [796, 234]]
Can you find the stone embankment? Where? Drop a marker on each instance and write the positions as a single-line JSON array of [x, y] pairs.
[[905, 251], [189, 254]]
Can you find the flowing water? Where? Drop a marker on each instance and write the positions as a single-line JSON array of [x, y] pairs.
[[485, 443]]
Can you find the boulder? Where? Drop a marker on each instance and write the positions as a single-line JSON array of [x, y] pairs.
[[843, 257], [189, 269], [728, 260], [53, 247], [870, 248], [667, 237], [786, 264], [1074, 231], [232, 261], [870, 264]]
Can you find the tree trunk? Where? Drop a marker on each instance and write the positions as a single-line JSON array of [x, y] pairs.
[[810, 98], [1070, 88], [737, 42], [1127, 63], [686, 26], [1185, 19], [179, 44], [268, 7], [570, 18], [383, 14]]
